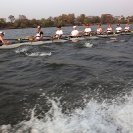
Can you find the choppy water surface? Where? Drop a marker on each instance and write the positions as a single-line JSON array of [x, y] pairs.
[[82, 87]]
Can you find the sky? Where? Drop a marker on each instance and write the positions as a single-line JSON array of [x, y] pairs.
[[45, 8]]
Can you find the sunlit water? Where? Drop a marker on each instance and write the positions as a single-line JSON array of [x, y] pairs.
[[82, 87]]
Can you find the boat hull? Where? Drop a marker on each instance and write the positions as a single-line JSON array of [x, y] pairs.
[[11, 46]]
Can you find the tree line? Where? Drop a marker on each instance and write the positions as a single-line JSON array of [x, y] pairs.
[[63, 20]]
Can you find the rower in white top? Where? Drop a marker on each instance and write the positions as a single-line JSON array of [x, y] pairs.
[[87, 30], [109, 29], [99, 29], [127, 28], [37, 37], [118, 29], [58, 33], [39, 34], [75, 32]]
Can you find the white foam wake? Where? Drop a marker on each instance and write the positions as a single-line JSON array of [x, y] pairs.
[[93, 118], [89, 45], [39, 54], [21, 50]]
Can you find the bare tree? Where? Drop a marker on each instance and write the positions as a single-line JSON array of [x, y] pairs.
[[11, 18]]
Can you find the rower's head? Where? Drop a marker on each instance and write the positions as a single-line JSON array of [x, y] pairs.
[[109, 25], [74, 27], [127, 25], [99, 25], [38, 28], [59, 27], [118, 25], [2, 33], [87, 25]]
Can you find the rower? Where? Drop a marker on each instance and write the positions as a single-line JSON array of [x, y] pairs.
[[58, 33], [87, 30], [2, 40], [118, 29], [109, 30], [99, 29], [75, 32], [39, 34], [127, 28]]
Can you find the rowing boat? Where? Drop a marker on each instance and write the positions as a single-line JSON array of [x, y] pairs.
[[109, 35], [30, 43], [47, 41], [126, 33], [114, 35], [83, 37]]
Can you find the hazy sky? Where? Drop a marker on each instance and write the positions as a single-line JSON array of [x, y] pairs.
[[44, 8]]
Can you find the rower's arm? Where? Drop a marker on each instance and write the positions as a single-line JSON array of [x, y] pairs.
[[60, 35], [34, 37], [101, 30], [2, 40], [41, 36]]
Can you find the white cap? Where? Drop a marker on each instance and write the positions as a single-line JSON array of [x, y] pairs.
[[39, 27], [74, 26], [1, 32]]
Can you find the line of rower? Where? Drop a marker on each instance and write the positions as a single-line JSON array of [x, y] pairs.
[[99, 30], [74, 33]]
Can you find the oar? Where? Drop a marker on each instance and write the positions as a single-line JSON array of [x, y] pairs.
[[28, 37], [81, 31], [17, 39], [32, 36], [26, 40]]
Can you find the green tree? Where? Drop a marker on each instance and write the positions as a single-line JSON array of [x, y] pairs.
[[2, 23], [95, 20], [106, 18], [122, 20], [81, 18]]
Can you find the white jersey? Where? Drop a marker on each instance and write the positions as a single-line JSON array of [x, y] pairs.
[[98, 31], [87, 30], [126, 28], [74, 33], [38, 36], [59, 32], [118, 29], [109, 30]]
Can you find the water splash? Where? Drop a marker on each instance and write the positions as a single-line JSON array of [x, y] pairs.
[[89, 45], [93, 118], [39, 54], [21, 50]]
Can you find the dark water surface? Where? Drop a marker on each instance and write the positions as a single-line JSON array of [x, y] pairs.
[[67, 87]]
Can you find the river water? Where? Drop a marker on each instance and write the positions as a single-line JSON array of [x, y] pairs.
[[82, 87]]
